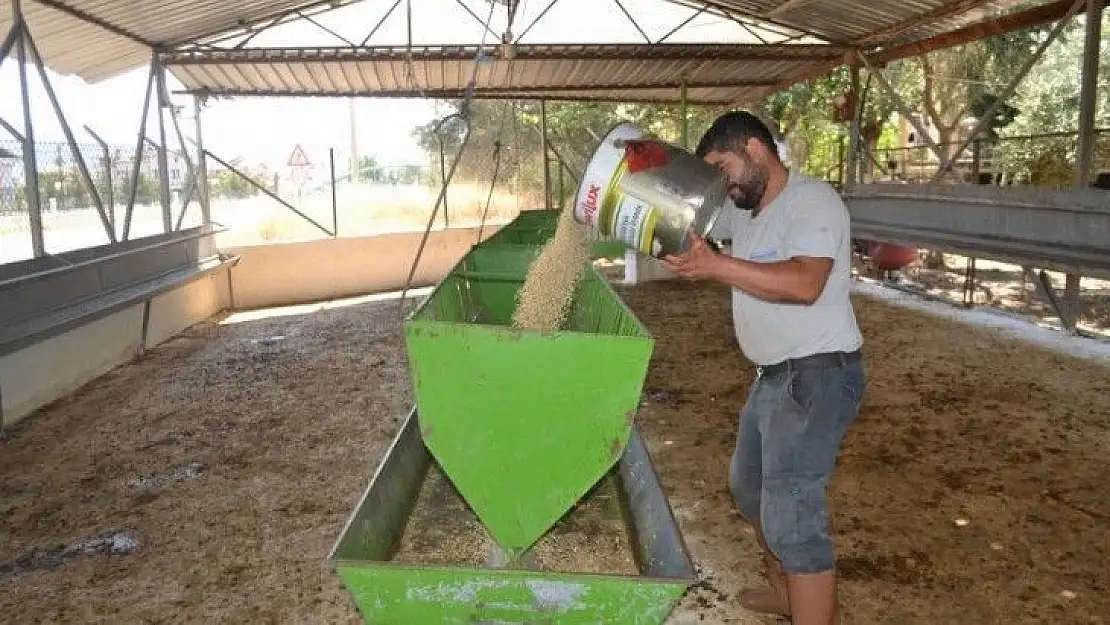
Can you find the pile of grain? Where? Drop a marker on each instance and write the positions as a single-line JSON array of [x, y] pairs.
[[544, 299], [591, 538]]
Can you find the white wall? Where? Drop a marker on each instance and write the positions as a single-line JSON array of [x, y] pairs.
[[42, 373]]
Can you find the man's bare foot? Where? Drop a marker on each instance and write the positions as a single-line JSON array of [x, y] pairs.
[[764, 600]]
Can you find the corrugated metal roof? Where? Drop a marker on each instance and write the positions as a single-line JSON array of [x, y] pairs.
[[854, 21], [72, 43], [626, 72]]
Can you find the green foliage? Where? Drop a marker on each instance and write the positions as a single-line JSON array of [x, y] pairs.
[[945, 87]]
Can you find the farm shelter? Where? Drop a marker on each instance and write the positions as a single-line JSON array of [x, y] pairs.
[[207, 416]]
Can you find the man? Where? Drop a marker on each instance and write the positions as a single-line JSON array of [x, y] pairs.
[[789, 269]]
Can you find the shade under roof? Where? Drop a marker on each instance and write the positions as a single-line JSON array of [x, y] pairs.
[[621, 72], [96, 39]]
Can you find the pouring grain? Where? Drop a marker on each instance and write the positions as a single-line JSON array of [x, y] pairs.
[[544, 299]]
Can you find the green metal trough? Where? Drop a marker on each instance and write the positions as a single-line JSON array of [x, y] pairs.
[[535, 227], [523, 423], [392, 593]]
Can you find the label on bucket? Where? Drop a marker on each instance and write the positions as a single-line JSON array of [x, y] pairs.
[[603, 207]]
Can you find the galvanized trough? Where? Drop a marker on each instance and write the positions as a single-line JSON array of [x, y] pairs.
[[388, 592]]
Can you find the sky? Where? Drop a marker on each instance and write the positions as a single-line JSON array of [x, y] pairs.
[[265, 130]]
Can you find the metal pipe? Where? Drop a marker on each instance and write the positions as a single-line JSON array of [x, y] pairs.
[[202, 167], [334, 202], [546, 169], [852, 170], [903, 110], [177, 237], [380, 22], [1085, 150], [435, 210], [188, 197], [138, 160], [30, 162], [946, 164], [82, 167], [190, 170], [683, 108], [442, 170], [272, 195], [107, 163], [9, 42], [11, 130], [163, 157], [1088, 93]]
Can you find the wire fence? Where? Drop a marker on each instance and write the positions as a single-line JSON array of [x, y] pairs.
[[1045, 160]]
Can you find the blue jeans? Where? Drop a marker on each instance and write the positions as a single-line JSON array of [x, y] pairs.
[[789, 438]]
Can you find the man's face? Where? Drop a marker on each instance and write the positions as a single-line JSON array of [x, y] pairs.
[[747, 177]]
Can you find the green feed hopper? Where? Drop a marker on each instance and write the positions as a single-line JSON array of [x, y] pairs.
[[535, 227], [531, 227], [524, 424]]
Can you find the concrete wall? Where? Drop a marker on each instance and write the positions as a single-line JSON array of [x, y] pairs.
[[294, 273], [49, 370], [275, 274]]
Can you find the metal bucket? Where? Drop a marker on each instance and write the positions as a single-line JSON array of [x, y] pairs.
[[648, 194]]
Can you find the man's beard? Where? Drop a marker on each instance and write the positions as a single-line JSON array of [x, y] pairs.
[[749, 193]]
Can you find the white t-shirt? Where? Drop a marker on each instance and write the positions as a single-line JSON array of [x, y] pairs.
[[808, 218]]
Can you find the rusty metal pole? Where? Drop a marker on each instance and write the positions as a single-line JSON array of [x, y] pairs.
[[852, 170], [683, 107], [546, 168], [1085, 149]]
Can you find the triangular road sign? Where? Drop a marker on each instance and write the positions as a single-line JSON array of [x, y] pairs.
[[298, 158]]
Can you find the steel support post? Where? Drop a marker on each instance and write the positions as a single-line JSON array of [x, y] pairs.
[[985, 118], [684, 111], [190, 170], [106, 163], [30, 161], [202, 169], [269, 193], [1088, 93], [82, 167], [334, 201], [852, 169], [11, 130], [9, 43], [546, 168], [903, 110], [162, 100], [1085, 150], [138, 161]]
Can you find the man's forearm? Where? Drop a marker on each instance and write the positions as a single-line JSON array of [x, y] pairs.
[[787, 281]]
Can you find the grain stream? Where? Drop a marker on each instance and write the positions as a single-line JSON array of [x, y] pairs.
[[545, 298]]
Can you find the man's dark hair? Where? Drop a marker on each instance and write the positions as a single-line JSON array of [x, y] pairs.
[[732, 130]]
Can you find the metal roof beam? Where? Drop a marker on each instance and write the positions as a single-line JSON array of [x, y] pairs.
[[91, 19], [453, 94], [982, 30], [523, 52], [290, 14], [931, 17], [785, 7]]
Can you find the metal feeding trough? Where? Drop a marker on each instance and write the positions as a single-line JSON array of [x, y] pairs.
[[518, 490], [392, 588]]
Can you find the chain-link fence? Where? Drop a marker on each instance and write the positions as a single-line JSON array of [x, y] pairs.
[[70, 219], [1042, 160]]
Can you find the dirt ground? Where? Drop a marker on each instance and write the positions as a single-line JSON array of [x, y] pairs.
[[1005, 287], [971, 490]]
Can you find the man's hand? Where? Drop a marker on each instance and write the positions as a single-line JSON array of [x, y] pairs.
[[699, 262]]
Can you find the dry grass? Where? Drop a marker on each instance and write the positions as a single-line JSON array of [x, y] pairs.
[[363, 210]]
